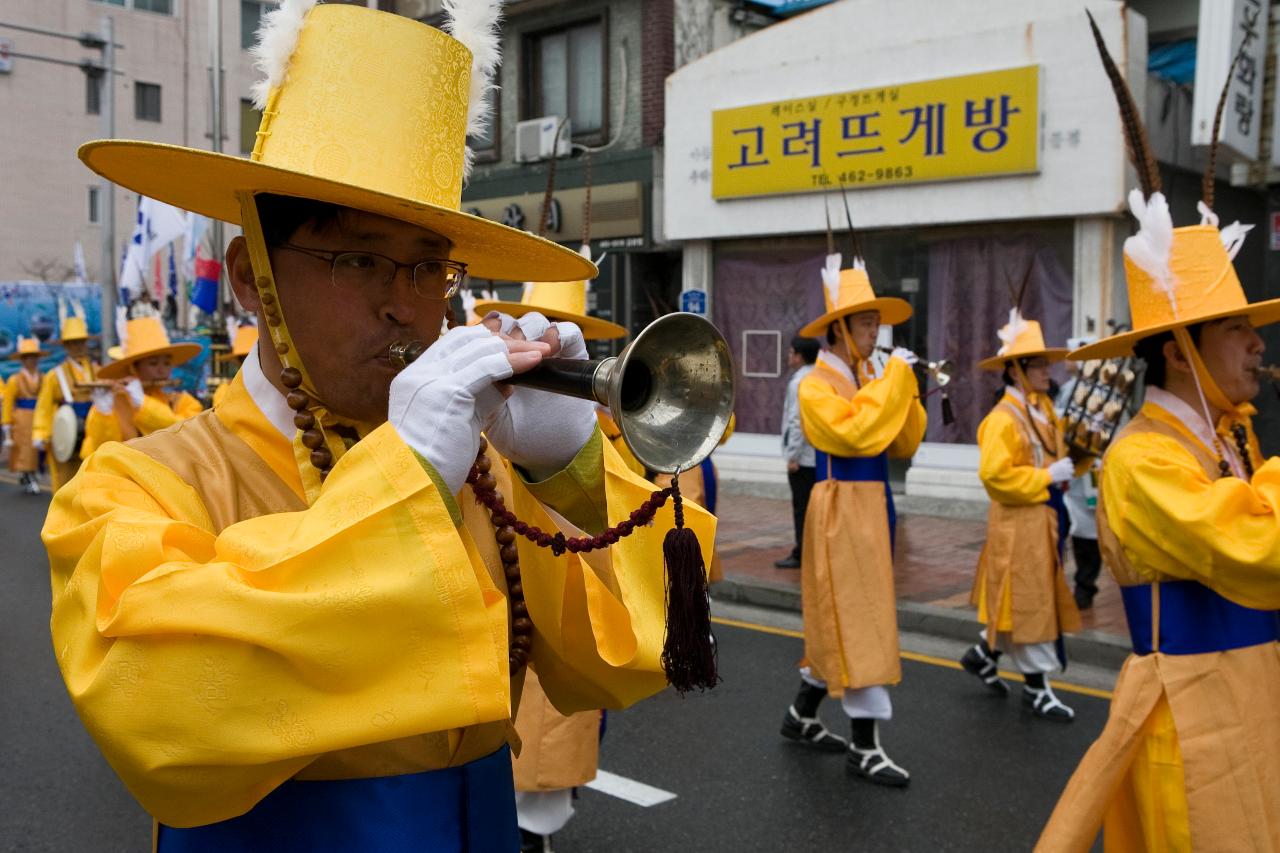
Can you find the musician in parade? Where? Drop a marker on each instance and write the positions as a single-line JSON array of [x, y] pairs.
[[18, 414], [67, 387], [1020, 589], [354, 625], [243, 343], [139, 398], [857, 412], [1189, 524]]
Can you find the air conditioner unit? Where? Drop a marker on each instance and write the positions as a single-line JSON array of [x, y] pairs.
[[537, 139]]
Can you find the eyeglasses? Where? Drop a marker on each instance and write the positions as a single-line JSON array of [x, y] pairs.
[[437, 279]]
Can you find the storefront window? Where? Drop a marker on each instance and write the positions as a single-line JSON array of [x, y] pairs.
[[957, 279]]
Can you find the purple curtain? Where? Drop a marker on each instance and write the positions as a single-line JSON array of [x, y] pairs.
[[970, 282], [763, 293]]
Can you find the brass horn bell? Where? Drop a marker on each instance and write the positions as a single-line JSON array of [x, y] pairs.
[[670, 391]]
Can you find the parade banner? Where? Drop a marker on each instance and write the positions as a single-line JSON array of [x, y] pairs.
[[936, 130]]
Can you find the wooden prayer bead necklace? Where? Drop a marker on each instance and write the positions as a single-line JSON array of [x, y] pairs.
[[1242, 444]]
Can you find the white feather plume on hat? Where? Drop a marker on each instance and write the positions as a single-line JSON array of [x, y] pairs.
[[277, 39], [1151, 248], [831, 277], [475, 24], [1016, 326]]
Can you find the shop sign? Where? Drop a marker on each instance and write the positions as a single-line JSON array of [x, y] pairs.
[[1225, 29], [617, 213], [694, 302], [936, 130]]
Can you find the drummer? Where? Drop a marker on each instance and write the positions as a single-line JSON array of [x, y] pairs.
[[66, 387], [142, 401], [18, 413]]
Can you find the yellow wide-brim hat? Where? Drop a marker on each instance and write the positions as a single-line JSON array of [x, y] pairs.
[[1023, 339], [245, 340], [74, 329], [1195, 283], [558, 302], [145, 337], [335, 130], [28, 346], [853, 295]]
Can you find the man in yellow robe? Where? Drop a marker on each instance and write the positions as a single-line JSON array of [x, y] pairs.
[[1189, 524], [857, 412], [65, 386], [18, 414], [1020, 590], [286, 622], [141, 401]]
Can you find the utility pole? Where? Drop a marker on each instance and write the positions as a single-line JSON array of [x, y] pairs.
[[109, 262], [215, 123]]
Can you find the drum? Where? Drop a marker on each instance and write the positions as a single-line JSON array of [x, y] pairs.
[[65, 434]]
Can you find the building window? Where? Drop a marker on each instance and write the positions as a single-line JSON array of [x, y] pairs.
[[249, 121], [568, 76], [146, 101], [251, 12], [162, 7], [93, 93], [94, 215]]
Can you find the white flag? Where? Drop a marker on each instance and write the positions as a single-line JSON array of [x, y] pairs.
[[194, 233], [82, 276], [158, 225]]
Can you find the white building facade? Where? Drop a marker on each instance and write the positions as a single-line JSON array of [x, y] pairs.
[[986, 223]]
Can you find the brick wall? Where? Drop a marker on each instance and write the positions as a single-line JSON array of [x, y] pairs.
[[657, 38]]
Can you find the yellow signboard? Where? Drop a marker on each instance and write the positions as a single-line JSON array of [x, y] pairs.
[[935, 130]]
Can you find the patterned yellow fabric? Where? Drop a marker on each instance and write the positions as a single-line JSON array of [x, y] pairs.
[[218, 636]]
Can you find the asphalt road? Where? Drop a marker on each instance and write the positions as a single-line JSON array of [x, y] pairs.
[[985, 775]]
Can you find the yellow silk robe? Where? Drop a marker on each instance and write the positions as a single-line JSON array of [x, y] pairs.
[[51, 397], [219, 636], [1190, 756], [160, 409], [1020, 589], [557, 750], [614, 436], [846, 575], [23, 457]]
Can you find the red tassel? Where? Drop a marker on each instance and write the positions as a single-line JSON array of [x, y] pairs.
[[688, 655]]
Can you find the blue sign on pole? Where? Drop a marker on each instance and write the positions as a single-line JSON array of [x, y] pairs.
[[694, 301]]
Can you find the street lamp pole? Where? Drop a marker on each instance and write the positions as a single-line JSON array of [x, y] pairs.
[[216, 115], [108, 274]]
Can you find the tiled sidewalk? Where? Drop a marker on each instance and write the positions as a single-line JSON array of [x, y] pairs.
[[934, 562]]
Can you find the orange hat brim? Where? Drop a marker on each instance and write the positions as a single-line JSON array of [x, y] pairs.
[[1121, 345], [182, 353], [893, 311], [997, 362], [593, 328]]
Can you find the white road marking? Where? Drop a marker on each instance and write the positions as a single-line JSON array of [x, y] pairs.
[[629, 789]]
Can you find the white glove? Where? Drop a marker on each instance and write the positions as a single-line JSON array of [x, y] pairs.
[[37, 443], [1062, 470], [540, 431], [905, 354], [8, 436], [879, 361], [442, 401], [104, 401], [136, 395]]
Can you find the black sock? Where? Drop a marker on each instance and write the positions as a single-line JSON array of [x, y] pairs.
[[863, 731], [1035, 680], [988, 651], [808, 699]]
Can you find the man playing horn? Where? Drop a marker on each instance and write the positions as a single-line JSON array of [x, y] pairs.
[[60, 389], [286, 621], [1189, 524], [1020, 590], [857, 415], [141, 401]]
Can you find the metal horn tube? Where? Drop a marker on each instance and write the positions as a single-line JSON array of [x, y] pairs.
[[671, 390]]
